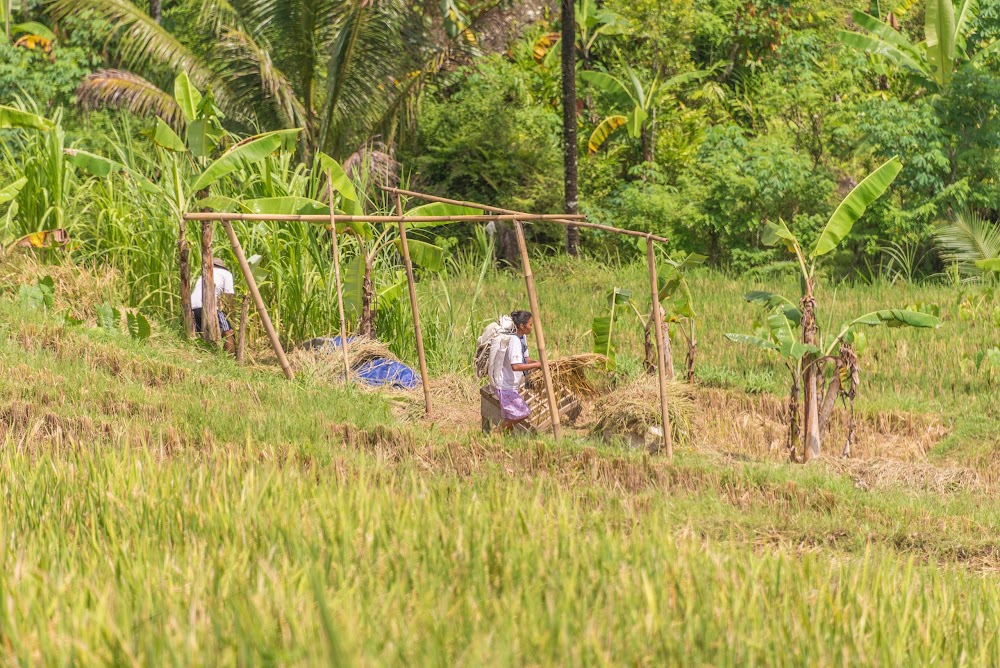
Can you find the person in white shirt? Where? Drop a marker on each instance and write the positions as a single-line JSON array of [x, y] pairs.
[[223, 286], [513, 408]]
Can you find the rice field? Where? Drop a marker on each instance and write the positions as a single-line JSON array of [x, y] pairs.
[[163, 505]]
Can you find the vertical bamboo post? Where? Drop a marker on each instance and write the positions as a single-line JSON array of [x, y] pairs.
[[661, 373], [529, 281], [411, 285], [209, 307], [336, 271], [265, 319], [241, 337], [183, 258]]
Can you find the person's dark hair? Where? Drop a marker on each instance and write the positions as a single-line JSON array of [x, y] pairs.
[[520, 318]]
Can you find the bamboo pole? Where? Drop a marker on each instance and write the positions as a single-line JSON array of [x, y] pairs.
[[411, 285], [313, 218], [661, 373], [209, 305], [561, 219], [529, 281], [336, 271], [241, 335], [265, 319]]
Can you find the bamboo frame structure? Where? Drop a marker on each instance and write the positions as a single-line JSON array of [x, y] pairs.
[[340, 288], [529, 281], [265, 319], [568, 220], [517, 218], [314, 218], [412, 287], [661, 372]]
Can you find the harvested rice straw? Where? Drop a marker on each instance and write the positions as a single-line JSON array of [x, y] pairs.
[[635, 407], [570, 373], [324, 363]]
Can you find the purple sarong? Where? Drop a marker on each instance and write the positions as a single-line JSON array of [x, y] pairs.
[[512, 406]]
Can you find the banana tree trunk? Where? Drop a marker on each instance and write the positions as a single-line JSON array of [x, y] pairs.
[[649, 360], [570, 146], [692, 353], [647, 143], [829, 401], [366, 327], [811, 407], [793, 417]]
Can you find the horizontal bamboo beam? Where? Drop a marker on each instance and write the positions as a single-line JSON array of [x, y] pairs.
[[306, 218], [560, 218]]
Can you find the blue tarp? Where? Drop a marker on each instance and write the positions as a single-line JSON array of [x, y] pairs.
[[381, 371]]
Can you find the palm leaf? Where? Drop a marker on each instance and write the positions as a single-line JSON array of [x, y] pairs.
[[967, 239], [250, 67], [854, 205], [120, 89]]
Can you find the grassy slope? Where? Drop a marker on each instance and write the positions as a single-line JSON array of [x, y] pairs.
[[163, 504]]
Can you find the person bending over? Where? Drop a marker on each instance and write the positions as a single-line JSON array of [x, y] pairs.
[[513, 408], [224, 286]]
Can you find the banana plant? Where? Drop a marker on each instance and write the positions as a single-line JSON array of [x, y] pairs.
[[189, 167], [812, 358], [678, 309], [603, 326], [635, 104], [933, 61], [592, 22]]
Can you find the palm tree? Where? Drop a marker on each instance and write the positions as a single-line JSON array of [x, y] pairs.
[[342, 69], [570, 146]]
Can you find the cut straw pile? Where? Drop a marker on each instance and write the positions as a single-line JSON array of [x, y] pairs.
[[327, 362], [570, 373], [635, 407]]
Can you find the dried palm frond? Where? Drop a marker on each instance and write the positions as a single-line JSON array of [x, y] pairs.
[[635, 407], [119, 89]]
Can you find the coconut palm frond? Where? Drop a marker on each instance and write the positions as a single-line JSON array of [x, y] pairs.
[[219, 15], [966, 238], [252, 74], [141, 43], [124, 90]]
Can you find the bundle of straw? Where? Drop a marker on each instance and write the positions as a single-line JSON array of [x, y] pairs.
[[635, 407], [570, 373], [326, 362]]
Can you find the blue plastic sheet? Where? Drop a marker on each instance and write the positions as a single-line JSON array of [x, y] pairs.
[[380, 372]]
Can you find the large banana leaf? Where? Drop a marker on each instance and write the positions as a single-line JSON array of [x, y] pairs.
[[636, 119], [221, 203], [854, 205], [187, 96], [609, 84], [897, 318], [354, 276], [752, 341], [102, 167], [775, 233], [967, 11], [893, 54], [784, 335], [772, 300], [288, 206], [250, 150], [692, 260], [391, 294], [9, 192], [939, 31], [203, 137], [601, 328], [604, 130], [342, 184], [423, 254], [439, 209], [164, 137], [15, 118]]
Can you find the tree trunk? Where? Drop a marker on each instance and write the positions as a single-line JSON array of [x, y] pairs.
[[692, 353], [809, 335], [184, 258], [209, 309], [647, 144], [829, 401], [156, 10], [570, 146], [366, 328], [793, 418], [649, 360]]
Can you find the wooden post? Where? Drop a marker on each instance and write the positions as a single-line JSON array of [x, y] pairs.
[[529, 281], [336, 271], [209, 307], [661, 373], [255, 293], [425, 381], [184, 259], [241, 337]]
